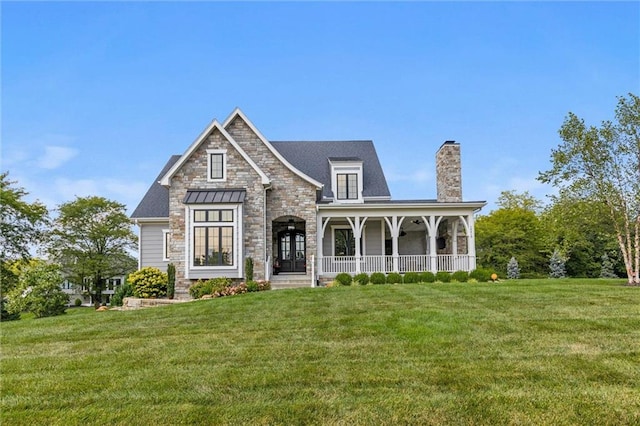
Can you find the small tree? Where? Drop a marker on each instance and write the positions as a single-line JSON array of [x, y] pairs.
[[171, 280], [248, 268], [39, 292], [149, 283], [607, 268], [556, 265], [513, 270]]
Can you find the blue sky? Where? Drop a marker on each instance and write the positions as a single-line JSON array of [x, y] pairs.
[[97, 96]]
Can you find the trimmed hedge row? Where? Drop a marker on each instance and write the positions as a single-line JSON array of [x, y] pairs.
[[477, 275]]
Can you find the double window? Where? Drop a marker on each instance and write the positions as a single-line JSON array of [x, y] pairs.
[[213, 237], [347, 186]]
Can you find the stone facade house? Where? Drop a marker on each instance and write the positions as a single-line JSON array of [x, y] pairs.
[[303, 211]]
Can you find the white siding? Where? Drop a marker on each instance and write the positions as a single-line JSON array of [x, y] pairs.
[[151, 245]]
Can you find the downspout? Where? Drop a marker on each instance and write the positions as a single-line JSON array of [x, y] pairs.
[[135, 222], [264, 231]]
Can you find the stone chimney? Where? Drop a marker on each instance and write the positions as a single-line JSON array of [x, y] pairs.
[[449, 173]]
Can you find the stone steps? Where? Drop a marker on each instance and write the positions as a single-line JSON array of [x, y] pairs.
[[280, 281]]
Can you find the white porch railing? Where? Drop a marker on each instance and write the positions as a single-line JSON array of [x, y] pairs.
[[331, 265]]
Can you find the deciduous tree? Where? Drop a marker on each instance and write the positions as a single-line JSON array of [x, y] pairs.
[[603, 164], [21, 228], [91, 239]]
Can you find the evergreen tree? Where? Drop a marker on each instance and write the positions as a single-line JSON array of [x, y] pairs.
[[607, 268], [513, 270], [556, 265]]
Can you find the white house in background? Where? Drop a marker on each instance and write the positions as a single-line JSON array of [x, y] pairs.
[[75, 292], [303, 211]]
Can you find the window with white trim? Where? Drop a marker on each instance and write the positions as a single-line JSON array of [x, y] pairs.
[[213, 237], [166, 242], [346, 180], [217, 165], [344, 241]]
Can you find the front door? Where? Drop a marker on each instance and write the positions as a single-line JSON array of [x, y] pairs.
[[291, 251]]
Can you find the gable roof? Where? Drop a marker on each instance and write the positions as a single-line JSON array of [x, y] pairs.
[[155, 203], [312, 158], [238, 113], [165, 180]]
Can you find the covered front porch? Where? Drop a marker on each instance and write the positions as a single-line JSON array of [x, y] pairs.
[[396, 237]]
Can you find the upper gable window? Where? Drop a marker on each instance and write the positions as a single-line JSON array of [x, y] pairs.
[[346, 180], [217, 165]]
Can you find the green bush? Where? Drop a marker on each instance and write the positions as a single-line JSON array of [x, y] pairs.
[[362, 278], [39, 292], [248, 268], [411, 277], [77, 302], [125, 290], [481, 275], [200, 288], [262, 285], [343, 278], [214, 287], [171, 280], [5, 315], [443, 277], [378, 278], [149, 283], [460, 276], [394, 278], [427, 277]]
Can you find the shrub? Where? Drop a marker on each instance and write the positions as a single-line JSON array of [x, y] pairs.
[[230, 290], [125, 290], [78, 302], [212, 286], [149, 282], [378, 278], [39, 292], [411, 277], [513, 269], [460, 276], [394, 278], [427, 277], [362, 278], [248, 268], [443, 276], [343, 278], [481, 275], [606, 270], [171, 280], [5, 315], [556, 265], [262, 285]]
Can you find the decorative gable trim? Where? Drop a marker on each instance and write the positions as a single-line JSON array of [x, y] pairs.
[[238, 113], [166, 179]]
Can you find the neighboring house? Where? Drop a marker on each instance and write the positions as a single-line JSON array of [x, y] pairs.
[[75, 292], [305, 211]]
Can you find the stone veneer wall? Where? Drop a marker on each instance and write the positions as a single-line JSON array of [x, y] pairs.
[[290, 195], [193, 175], [449, 173]]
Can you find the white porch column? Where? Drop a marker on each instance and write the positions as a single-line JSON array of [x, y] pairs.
[[394, 228], [471, 242], [320, 250], [454, 244], [432, 229], [357, 226]]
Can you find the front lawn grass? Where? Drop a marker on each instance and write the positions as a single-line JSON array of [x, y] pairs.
[[553, 352]]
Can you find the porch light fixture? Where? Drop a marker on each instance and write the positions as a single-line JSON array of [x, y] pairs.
[[417, 221], [291, 226]]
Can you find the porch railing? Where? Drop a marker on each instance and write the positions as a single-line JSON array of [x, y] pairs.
[[331, 265]]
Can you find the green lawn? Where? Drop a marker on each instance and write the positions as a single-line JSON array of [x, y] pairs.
[[517, 352]]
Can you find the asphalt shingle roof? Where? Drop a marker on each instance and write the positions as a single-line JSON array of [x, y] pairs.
[[155, 202], [312, 159]]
